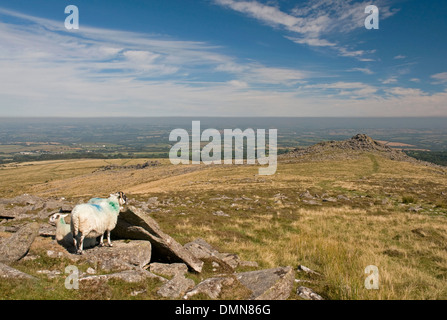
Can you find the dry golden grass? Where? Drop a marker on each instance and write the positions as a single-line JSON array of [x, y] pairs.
[[375, 227]]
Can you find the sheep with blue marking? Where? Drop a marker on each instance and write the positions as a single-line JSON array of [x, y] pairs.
[[95, 218]]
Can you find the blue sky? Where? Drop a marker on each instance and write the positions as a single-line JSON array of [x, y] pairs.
[[223, 58]]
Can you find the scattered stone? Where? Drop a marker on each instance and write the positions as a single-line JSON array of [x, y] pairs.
[[415, 209], [211, 287], [122, 256], [307, 270], [153, 202], [176, 287], [303, 281], [269, 284], [136, 224], [343, 197], [47, 230], [220, 213], [137, 292], [54, 254], [172, 269], [203, 250], [330, 199], [17, 246], [308, 294], [306, 195], [138, 166], [12, 273], [279, 196], [90, 270], [419, 232], [51, 274], [312, 202]]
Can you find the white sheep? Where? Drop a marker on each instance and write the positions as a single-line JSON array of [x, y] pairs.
[[63, 230], [94, 219]]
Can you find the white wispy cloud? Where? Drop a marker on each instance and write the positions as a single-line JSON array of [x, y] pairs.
[[313, 21], [389, 80], [351, 90], [407, 92], [363, 70], [440, 77]]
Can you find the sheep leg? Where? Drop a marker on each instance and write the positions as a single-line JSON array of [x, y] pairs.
[[108, 239], [75, 243], [101, 241], [81, 244]]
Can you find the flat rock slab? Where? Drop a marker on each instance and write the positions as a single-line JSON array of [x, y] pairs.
[[122, 256], [211, 287], [268, 284], [17, 246], [176, 287], [168, 269], [136, 224], [203, 250], [131, 276], [11, 273]]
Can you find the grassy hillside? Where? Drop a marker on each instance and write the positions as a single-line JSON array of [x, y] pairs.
[[376, 211]]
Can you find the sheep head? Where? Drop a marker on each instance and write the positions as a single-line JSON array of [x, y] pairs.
[[120, 197]]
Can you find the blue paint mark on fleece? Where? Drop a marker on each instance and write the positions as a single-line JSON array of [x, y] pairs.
[[96, 206]]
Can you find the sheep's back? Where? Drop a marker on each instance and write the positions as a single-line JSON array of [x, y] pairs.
[[93, 217]]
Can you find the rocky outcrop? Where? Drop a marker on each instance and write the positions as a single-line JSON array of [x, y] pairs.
[[128, 260], [17, 246], [136, 224], [269, 284], [122, 256], [346, 149], [30, 207]]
